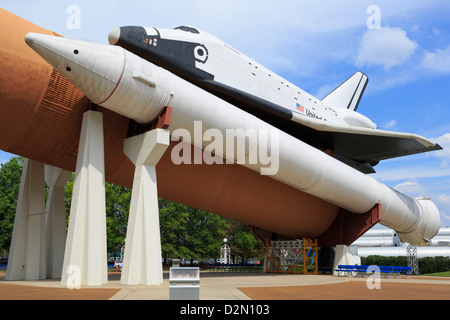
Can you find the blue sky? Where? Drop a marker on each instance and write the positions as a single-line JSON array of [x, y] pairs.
[[403, 47]]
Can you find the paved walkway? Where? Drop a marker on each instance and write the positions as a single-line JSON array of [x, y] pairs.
[[241, 286], [225, 286]]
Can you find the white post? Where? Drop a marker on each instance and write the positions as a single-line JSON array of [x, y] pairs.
[[27, 254], [85, 257], [56, 179], [343, 255], [142, 261], [225, 252]]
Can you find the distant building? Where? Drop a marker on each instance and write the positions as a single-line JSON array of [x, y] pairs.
[[385, 242]]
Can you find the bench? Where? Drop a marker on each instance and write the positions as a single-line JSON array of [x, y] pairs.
[[395, 270], [351, 270], [362, 270]]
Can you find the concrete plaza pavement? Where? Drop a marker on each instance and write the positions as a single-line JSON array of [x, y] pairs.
[[213, 285], [233, 286], [223, 286]]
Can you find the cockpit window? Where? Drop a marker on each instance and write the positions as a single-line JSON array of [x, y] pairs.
[[188, 29]]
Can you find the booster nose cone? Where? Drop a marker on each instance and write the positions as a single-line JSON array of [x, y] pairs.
[[94, 68], [114, 36], [108, 75], [29, 38], [42, 44]]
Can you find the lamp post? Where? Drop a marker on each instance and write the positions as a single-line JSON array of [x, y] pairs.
[[225, 252]]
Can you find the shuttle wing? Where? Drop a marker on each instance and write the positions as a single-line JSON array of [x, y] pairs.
[[358, 146]]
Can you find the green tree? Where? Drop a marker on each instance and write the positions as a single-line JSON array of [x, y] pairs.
[[117, 209], [10, 174], [172, 219], [68, 195], [205, 232], [189, 233], [243, 242]]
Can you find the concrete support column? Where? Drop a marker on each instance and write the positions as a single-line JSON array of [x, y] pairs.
[[343, 256], [142, 260], [27, 253], [56, 179], [85, 257]]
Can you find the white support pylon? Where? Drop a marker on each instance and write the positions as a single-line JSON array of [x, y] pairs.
[[142, 261], [27, 253], [85, 256], [344, 256], [56, 179]]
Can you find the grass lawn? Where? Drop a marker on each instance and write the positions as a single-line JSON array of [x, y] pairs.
[[438, 274]]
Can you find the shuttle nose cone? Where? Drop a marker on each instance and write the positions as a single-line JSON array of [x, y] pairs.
[[114, 36]]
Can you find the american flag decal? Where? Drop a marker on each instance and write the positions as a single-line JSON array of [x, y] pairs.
[[300, 108]]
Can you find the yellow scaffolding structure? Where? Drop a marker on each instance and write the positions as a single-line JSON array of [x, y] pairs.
[[295, 256]]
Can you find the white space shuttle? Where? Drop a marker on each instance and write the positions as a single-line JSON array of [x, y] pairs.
[[331, 124], [325, 146]]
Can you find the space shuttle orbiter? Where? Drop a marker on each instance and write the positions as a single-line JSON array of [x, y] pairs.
[[329, 124]]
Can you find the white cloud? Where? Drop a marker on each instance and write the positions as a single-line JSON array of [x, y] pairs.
[[445, 219], [390, 125], [412, 171], [411, 188], [443, 198], [438, 61], [436, 32], [444, 154], [443, 203], [385, 47]]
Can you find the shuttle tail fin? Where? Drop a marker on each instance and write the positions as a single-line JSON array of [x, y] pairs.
[[349, 93]]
